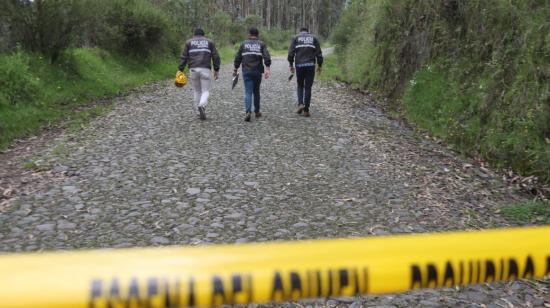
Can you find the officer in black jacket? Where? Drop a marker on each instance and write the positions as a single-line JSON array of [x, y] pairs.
[[253, 54], [306, 52], [200, 54]]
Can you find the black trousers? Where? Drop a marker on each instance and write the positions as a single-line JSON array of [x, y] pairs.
[[252, 81], [305, 77]]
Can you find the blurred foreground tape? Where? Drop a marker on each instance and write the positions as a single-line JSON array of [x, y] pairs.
[[206, 276]]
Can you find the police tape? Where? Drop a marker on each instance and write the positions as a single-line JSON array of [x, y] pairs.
[[259, 273]]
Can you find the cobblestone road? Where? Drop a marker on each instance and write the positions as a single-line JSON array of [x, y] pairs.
[[150, 173]]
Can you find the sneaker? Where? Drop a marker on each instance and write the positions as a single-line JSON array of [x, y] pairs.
[[247, 117], [202, 113], [258, 114], [300, 109], [306, 114]]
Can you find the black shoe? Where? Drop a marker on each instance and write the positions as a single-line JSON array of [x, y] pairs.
[[258, 114], [307, 114], [247, 117], [300, 108], [202, 113]]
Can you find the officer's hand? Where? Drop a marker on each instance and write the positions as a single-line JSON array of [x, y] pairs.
[[235, 73], [267, 73], [292, 70], [216, 75], [319, 70]]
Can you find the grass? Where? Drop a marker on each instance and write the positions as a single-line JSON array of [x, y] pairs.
[[60, 150], [332, 70], [35, 166], [37, 94], [227, 53], [434, 101], [528, 212]]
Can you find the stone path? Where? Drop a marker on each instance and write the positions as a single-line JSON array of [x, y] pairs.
[[150, 173]]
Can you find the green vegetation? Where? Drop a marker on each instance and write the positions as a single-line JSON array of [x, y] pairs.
[[37, 93], [332, 69], [528, 212], [61, 54], [35, 165], [475, 73]]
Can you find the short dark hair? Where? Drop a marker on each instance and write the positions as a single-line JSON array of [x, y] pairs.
[[302, 29], [199, 32], [253, 31]]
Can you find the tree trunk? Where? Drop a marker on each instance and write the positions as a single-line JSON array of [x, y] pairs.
[[268, 13]]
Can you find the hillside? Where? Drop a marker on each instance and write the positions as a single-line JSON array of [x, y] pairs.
[[475, 73]]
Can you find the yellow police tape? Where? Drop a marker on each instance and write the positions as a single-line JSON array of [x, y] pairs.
[[206, 276]]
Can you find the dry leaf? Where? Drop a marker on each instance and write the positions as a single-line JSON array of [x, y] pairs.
[[8, 192]]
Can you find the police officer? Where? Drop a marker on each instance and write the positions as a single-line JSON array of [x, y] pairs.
[[305, 53], [200, 53], [253, 55]]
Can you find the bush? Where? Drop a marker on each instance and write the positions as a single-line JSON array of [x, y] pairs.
[[220, 26], [253, 21], [135, 27], [276, 39], [349, 22], [47, 27], [16, 81], [237, 33]]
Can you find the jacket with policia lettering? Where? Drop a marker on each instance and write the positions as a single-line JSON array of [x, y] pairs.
[[250, 54], [305, 50], [200, 52]]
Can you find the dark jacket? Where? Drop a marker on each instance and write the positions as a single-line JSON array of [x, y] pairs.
[[250, 54], [305, 50], [200, 52]]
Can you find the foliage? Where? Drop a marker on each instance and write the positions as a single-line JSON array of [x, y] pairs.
[[331, 68], [134, 27], [253, 21], [351, 19], [47, 27], [220, 25], [473, 72], [16, 81], [131, 26], [319, 15], [528, 212], [54, 91], [276, 39]]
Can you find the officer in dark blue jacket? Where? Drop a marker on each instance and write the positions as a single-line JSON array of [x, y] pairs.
[[306, 52], [253, 54]]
